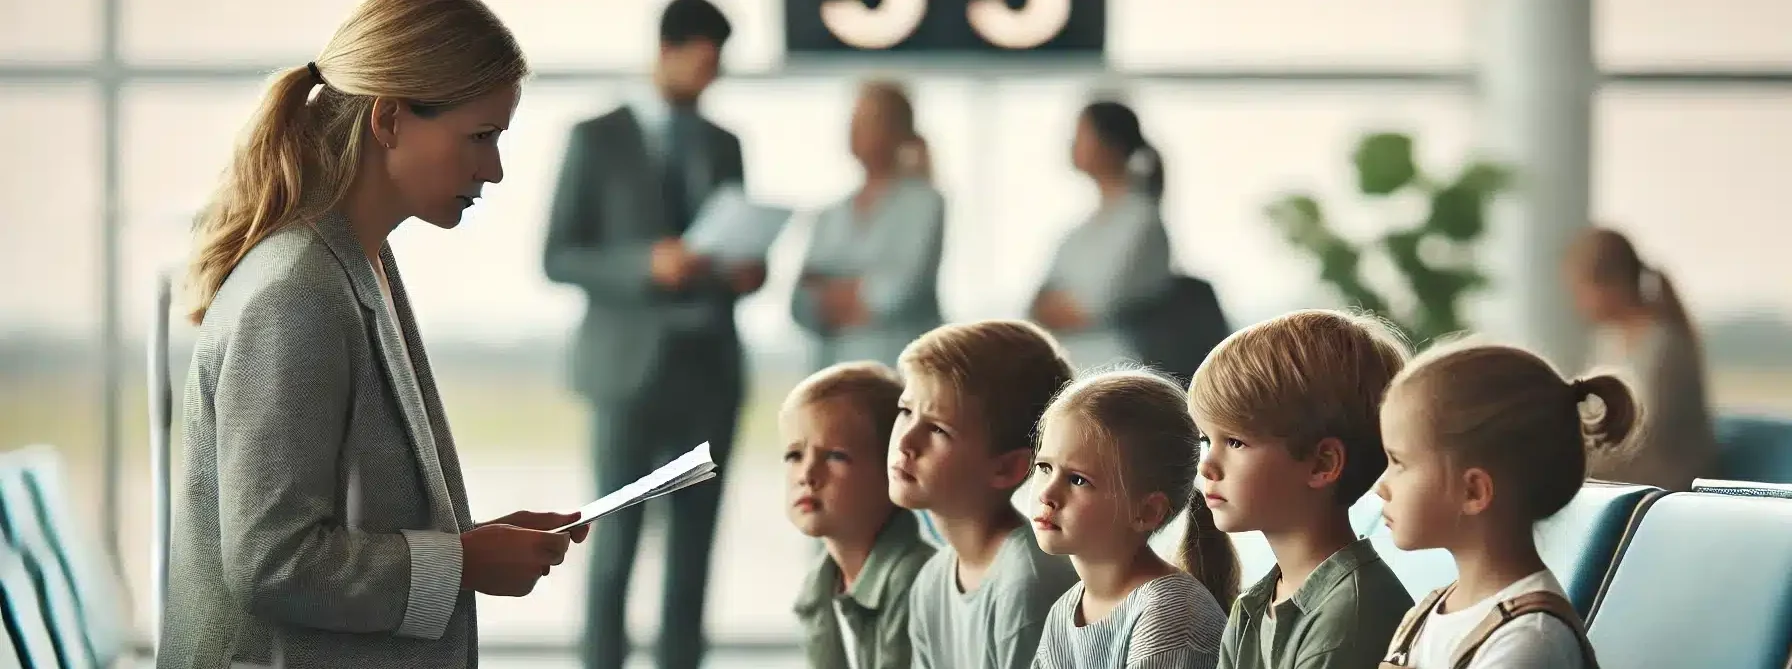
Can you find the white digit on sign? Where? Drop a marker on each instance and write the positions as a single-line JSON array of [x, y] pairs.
[[1030, 26], [862, 27]]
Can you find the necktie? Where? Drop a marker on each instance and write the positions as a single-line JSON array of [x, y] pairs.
[[681, 131]]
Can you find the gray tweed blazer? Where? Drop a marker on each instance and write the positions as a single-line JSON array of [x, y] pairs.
[[319, 515]]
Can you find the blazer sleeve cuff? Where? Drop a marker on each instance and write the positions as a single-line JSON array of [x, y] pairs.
[[435, 583]]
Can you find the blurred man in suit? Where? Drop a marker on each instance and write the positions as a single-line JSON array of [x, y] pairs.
[[658, 355]]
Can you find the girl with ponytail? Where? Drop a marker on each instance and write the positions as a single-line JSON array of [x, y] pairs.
[[1484, 441], [325, 518], [1118, 459], [1644, 329], [869, 283], [1121, 254]]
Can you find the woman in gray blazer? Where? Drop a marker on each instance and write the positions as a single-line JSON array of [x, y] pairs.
[[1120, 254], [869, 282], [323, 519]]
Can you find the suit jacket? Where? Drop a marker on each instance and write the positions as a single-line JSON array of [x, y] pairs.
[[322, 503], [606, 215], [894, 251]]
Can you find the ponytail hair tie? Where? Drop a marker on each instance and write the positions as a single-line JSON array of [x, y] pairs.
[[315, 74], [1580, 389], [1142, 162]]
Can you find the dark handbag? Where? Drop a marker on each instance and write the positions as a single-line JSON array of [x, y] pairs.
[[1174, 328]]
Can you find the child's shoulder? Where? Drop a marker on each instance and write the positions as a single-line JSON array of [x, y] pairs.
[[1358, 573], [1024, 561], [1358, 590], [1532, 640], [907, 566]]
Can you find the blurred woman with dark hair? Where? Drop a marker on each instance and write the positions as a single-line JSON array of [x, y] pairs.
[[1644, 328], [1121, 253]]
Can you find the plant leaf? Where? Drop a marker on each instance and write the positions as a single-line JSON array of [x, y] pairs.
[[1384, 163]]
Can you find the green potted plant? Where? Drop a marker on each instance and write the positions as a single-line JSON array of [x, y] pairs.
[[1434, 256]]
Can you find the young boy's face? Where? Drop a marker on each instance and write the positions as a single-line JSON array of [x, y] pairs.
[[1420, 508], [940, 455], [833, 470], [1255, 483], [1081, 506]]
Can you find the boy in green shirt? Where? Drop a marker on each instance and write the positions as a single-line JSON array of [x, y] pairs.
[[1289, 413], [854, 606]]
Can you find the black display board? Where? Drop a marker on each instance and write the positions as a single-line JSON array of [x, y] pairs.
[[972, 29]]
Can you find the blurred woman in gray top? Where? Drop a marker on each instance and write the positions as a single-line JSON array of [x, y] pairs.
[[869, 282], [1644, 329], [1121, 253]]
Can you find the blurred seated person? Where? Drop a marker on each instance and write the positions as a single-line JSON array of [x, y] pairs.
[[1121, 253], [1643, 329], [869, 281]]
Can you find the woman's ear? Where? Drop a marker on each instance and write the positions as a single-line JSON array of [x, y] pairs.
[[382, 120]]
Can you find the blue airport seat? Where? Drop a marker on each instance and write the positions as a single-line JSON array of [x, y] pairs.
[[1577, 544], [35, 478], [1754, 448], [99, 592], [1743, 488], [1581, 541], [25, 535], [22, 610], [1700, 582]]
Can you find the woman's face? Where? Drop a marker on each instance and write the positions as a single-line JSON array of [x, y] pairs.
[[1598, 301], [1087, 152], [872, 139], [439, 163]]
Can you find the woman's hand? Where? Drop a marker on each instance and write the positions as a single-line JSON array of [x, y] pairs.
[[506, 560], [746, 278], [543, 521], [1056, 310]]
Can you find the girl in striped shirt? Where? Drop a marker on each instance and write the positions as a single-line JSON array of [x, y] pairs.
[[1117, 461]]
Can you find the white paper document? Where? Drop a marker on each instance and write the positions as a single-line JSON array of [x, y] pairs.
[[685, 471], [732, 228]]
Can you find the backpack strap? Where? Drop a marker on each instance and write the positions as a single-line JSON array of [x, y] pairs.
[[1540, 601], [1400, 646]]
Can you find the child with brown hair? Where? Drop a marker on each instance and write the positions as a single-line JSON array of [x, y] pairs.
[[962, 445], [1288, 411], [1118, 458], [854, 606], [1483, 442]]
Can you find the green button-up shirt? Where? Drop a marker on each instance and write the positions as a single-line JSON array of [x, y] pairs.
[[1341, 618], [876, 608]]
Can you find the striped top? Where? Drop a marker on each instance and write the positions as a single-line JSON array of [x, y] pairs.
[[1172, 622]]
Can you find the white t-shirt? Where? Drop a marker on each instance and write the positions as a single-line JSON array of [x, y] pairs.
[[1532, 641]]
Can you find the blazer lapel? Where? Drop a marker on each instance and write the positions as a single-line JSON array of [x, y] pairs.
[[393, 343]]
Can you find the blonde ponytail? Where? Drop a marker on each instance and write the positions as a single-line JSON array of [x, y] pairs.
[[261, 190], [300, 153]]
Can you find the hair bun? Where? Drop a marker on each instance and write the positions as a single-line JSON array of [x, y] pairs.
[[1611, 421]]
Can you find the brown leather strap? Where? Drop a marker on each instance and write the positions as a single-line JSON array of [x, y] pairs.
[[1400, 646], [1531, 602]]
